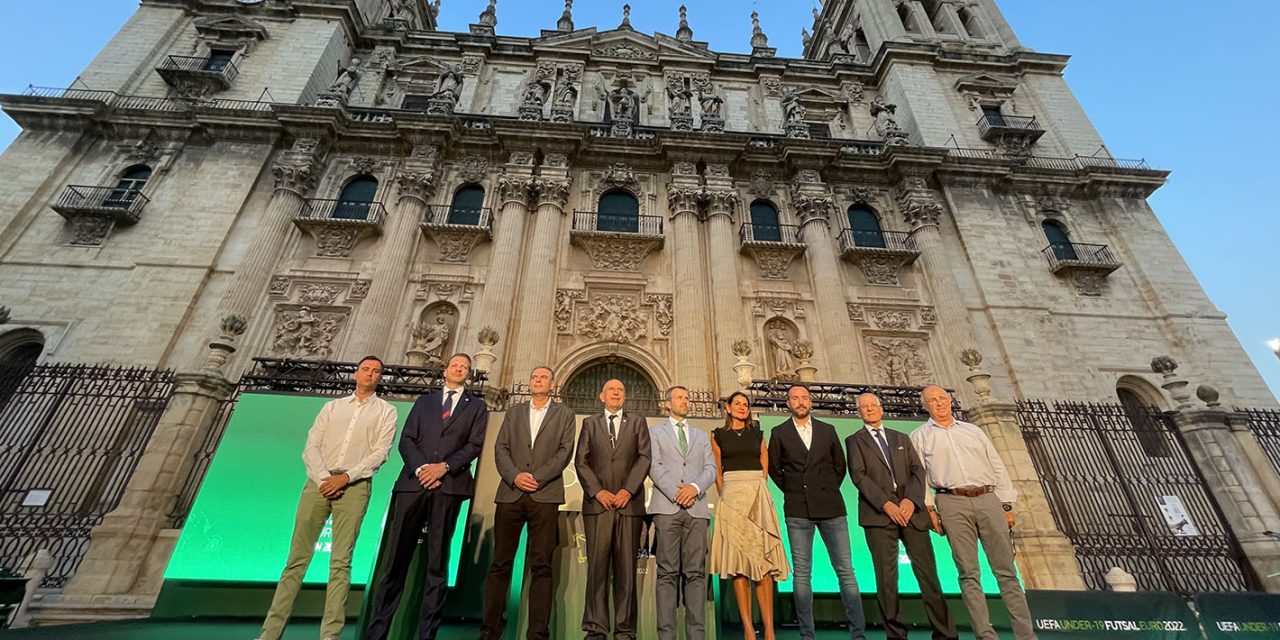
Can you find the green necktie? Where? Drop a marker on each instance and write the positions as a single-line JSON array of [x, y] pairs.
[[684, 440]]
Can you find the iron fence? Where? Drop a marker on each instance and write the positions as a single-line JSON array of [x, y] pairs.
[[323, 377], [1064, 254], [593, 222], [1124, 490], [443, 215], [871, 241], [1265, 425], [839, 398], [201, 457], [755, 233], [70, 439], [702, 403]]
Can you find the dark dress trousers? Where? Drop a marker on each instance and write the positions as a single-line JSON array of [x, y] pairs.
[[613, 536], [810, 478], [545, 457], [876, 482], [428, 438]]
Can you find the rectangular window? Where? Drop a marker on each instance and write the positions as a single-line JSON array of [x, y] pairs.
[[218, 59], [414, 102]]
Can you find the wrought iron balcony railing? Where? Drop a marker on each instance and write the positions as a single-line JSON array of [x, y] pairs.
[[180, 69], [343, 212], [1006, 129], [877, 242], [122, 204], [1046, 162], [751, 233], [1075, 255], [594, 222], [444, 215]]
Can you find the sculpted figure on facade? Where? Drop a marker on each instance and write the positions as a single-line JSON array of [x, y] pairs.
[[431, 338], [347, 78], [624, 102], [781, 338], [679, 97], [886, 123], [306, 334], [449, 84]]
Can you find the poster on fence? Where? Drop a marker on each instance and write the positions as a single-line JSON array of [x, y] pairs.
[[1176, 516]]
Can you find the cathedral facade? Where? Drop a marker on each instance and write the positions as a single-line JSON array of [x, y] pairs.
[[343, 178]]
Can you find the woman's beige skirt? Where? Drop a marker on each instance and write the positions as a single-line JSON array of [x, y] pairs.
[[746, 539]]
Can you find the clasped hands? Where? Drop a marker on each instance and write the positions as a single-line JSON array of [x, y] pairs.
[[900, 513], [613, 501], [430, 475], [333, 487]]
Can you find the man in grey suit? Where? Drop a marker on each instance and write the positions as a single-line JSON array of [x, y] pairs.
[[682, 470], [890, 480], [612, 462], [533, 448]]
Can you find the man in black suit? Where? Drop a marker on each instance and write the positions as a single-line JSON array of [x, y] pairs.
[[807, 463], [442, 436], [612, 462], [533, 448], [890, 480]]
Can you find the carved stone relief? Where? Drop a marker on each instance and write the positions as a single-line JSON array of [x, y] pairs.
[[856, 312], [1088, 282], [881, 269], [616, 252], [473, 168], [661, 311], [892, 319], [433, 335], [613, 318], [456, 244], [565, 299], [774, 262], [302, 333], [899, 362], [318, 294], [767, 306], [89, 230]]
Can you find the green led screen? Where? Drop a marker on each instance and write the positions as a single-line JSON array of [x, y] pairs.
[[824, 578], [242, 519]]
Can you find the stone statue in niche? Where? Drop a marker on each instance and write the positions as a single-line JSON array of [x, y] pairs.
[[781, 337], [793, 112], [679, 97], [711, 103], [432, 335], [449, 84], [566, 95], [624, 102]]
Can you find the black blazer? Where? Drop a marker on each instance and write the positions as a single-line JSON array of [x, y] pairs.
[[602, 466], [427, 439], [871, 476], [810, 478], [545, 458]]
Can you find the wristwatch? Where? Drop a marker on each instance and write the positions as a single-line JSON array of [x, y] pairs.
[[1007, 506], [446, 470]]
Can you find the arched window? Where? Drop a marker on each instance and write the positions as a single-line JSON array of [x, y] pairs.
[[129, 186], [582, 391], [908, 18], [970, 21], [1150, 430], [20, 350], [619, 211], [865, 226], [764, 222], [467, 205], [354, 201], [1058, 241]]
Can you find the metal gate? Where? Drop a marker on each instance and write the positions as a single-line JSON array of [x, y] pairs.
[[582, 391], [70, 438], [1125, 491], [1265, 425]]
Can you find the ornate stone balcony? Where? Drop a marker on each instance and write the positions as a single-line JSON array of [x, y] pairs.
[[879, 254], [773, 247], [456, 229], [337, 225], [198, 77], [1086, 264], [616, 242], [93, 211], [1009, 132]]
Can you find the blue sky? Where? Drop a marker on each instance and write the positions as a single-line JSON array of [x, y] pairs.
[[1186, 86]]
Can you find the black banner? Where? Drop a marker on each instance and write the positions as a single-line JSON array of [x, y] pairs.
[[1108, 615], [1238, 616]]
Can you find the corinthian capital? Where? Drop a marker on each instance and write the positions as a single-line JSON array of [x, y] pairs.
[[722, 202], [514, 189], [553, 191], [418, 185], [298, 177], [920, 205], [684, 199], [812, 207]]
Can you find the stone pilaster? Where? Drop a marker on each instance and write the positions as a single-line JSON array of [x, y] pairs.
[[1046, 557], [727, 313], [380, 311], [922, 210], [494, 309], [295, 176], [835, 341], [124, 566], [538, 289], [690, 288]]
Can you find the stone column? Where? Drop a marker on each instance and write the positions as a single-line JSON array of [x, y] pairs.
[[123, 569], [726, 297], [497, 300], [922, 210], [538, 291], [835, 340], [295, 176], [1046, 557], [1237, 486], [380, 310], [689, 339]]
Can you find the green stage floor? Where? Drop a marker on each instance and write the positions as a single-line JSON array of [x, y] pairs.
[[240, 630]]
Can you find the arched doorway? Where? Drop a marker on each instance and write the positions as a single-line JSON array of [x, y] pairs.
[[20, 350], [582, 391]]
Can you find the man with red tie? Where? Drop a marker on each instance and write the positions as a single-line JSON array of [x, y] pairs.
[[442, 436]]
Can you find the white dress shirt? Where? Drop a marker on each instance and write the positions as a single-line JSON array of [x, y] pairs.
[[456, 396], [806, 432], [872, 430], [536, 416], [960, 456], [350, 435]]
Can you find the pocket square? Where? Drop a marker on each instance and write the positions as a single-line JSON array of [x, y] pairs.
[[900, 448]]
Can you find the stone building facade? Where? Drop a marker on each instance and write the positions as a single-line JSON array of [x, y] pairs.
[[349, 179]]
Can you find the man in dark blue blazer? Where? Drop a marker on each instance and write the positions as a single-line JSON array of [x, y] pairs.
[[442, 436]]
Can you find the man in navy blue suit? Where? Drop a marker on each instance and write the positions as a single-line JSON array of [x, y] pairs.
[[442, 436]]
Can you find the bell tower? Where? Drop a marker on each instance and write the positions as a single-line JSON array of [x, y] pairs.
[[856, 29]]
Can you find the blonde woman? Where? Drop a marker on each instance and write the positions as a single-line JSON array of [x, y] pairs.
[[746, 541]]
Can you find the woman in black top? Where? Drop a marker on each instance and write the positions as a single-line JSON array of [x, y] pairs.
[[746, 543]]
